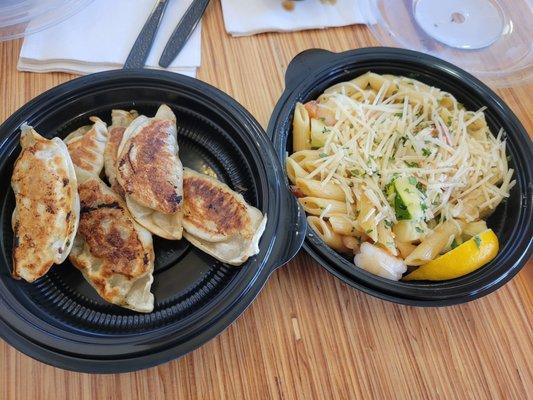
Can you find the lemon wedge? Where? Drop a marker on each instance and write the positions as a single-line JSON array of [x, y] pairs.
[[465, 258]]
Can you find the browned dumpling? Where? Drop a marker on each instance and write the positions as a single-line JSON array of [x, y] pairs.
[[150, 173], [218, 220], [113, 252], [120, 120], [47, 205], [86, 146]]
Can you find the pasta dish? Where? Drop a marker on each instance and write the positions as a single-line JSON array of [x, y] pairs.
[[399, 173]]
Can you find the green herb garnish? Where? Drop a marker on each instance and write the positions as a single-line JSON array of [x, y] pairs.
[[426, 152], [412, 164], [400, 209], [477, 241]]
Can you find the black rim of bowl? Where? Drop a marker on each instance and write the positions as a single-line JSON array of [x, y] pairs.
[[37, 331], [312, 71]]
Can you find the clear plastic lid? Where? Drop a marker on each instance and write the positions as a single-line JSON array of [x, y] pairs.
[[489, 38], [19, 18]]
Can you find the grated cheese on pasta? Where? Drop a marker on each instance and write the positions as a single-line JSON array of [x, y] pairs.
[[417, 131]]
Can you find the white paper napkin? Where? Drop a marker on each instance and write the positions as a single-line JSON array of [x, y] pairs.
[[100, 38], [248, 17]]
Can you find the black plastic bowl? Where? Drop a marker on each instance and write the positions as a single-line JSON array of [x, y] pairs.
[[59, 319], [312, 71]]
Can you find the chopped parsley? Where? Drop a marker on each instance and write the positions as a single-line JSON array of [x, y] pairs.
[[412, 180], [423, 206], [322, 155], [418, 229], [388, 223], [426, 152], [421, 187], [400, 114], [400, 209], [477, 241], [454, 244], [369, 230], [412, 164]]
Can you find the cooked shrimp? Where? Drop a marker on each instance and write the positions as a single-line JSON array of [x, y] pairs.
[[378, 262], [319, 111]]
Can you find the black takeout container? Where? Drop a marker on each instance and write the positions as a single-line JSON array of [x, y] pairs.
[[61, 321], [312, 71]]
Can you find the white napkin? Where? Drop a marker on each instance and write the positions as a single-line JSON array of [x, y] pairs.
[[248, 17], [100, 38]]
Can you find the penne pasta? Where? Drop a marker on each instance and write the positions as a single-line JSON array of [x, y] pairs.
[[432, 245], [305, 155], [301, 129], [413, 96], [351, 243], [347, 88], [404, 248], [315, 205], [448, 102], [366, 217], [294, 170], [342, 224], [324, 231], [386, 238], [314, 188], [368, 95], [310, 166], [407, 231], [474, 228], [377, 81]]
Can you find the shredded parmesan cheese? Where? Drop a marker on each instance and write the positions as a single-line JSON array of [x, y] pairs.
[[409, 133]]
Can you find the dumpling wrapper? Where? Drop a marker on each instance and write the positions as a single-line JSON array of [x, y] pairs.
[[47, 208], [86, 146], [112, 251], [120, 120], [151, 174], [218, 220]]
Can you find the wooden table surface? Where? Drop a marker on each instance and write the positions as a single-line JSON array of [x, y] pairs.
[[307, 335]]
